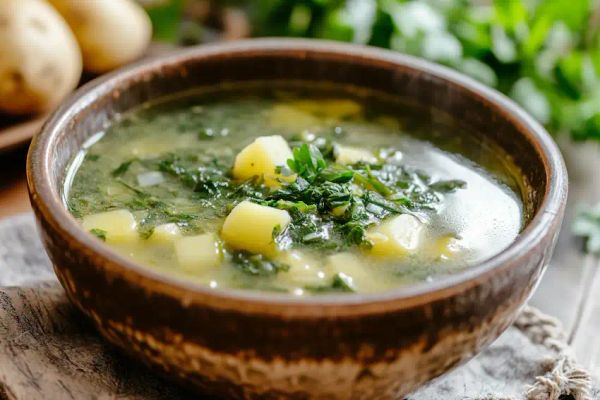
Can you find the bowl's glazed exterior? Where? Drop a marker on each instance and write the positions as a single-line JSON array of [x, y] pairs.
[[252, 345]]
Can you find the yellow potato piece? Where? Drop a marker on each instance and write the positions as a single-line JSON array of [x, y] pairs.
[[261, 157], [119, 225], [250, 227], [388, 122], [396, 237], [340, 210], [447, 247], [165, 234], [329, 108], [350, 155], [288, 117], [198, 253], [304, 270]]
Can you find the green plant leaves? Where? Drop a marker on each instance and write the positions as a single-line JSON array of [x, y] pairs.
[[587, 225], [542, 53], [526, 93], [307, 162]]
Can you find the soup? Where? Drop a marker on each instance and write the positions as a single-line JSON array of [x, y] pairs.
[[301, 190]]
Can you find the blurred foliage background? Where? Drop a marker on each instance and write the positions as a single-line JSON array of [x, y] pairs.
[[545, 54]]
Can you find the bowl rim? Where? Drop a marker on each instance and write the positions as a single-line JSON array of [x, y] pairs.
[[50, 207]]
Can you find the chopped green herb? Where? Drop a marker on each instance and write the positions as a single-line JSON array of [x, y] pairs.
[[99, 233], [332, 206], [447, 186], [157, 211], [121, 169], [276, 231], [307, 162], [206, 134], [257, 264], [340, 283]]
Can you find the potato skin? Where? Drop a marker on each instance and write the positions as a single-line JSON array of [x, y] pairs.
[[40, 61], [110, 33]]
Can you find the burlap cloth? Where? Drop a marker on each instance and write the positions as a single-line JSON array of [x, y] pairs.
[[49, 351]]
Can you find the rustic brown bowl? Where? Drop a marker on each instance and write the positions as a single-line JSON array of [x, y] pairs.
[[241, 344]]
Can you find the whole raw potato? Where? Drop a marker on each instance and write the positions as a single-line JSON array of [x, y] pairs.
[[110, 32], [40, 61]]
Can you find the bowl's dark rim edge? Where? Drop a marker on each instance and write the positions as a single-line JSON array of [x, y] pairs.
[[48, 202]]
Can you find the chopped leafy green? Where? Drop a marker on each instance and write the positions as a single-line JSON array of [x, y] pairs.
[[99, 233], [123, 168], [332, 206], [206, 134], [340, 283], [308, 162], [276, 231], [166, 18], [587, 225], [156, 211], [256, 264], [209, 180], [447, 186]]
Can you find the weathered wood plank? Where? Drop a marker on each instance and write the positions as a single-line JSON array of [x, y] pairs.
[[48, 350]]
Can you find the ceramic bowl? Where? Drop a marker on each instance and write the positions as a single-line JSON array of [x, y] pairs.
[[243, 344]]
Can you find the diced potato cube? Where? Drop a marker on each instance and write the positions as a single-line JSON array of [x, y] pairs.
[[165, 233], [117, 226], [447, 247], [349, 155], [288, 117], [351, 266], [330, 108], [198, 253], [398, 236], [250, 227], [304, 269], [340, 210], [261, 157], [149, 147], [388, 122]]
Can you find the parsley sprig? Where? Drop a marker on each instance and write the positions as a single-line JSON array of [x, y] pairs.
[[308, 162], [332, 206], [257, 264]]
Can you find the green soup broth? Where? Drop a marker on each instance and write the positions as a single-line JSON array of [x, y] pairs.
[[296, 189]]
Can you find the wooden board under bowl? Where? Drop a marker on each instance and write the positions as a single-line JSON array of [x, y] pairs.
[[16, 132]]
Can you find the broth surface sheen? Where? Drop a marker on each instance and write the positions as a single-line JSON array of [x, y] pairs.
[[367, 203]]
